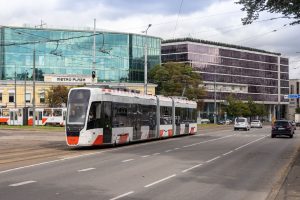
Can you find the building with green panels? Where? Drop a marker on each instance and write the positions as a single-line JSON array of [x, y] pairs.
[[119, 57]]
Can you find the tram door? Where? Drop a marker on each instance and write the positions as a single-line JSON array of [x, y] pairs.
[[15, 116], [136, 119], [39, 117], [107, 122]]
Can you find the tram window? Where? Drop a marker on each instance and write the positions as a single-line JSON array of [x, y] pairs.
[[30, 113], [47, 112], [120, 115], [57, 112], [165, 115], [94, 116]]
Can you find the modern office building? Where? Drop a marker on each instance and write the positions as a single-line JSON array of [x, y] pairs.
[[118, 59], [234, 70], [294, 102]]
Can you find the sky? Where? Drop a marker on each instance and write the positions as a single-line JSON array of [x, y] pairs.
[[214, 20]]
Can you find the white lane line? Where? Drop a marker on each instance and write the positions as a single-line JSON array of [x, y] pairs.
[[145, 156], [161, 180], [128, 160], [122, 195], [249, 143], [213, 159], [189, 145], [176, 148], [85, 170], [21, 183], [155, 154], [188, 169], [168, 150], [225, 154], [207, 141]]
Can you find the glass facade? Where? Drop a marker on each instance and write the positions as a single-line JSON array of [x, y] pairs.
[[235, 66], [119, 56]]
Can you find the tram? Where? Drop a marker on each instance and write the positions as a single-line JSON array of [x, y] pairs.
[[44, 116], [97, 116]]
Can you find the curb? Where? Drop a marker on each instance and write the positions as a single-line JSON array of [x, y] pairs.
[[283, 175]]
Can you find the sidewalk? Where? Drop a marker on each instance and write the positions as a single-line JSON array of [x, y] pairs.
[[290, 190]]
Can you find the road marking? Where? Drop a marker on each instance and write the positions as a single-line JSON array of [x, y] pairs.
[[225, 154], [155, 154], [161, 180], [145, 156], [213, 159], [21, 183], [186, 170], [249, 143], [176, 148], [168, 150], [122, 195], [85, 170], [189, 145], [128, 160], [207, 141]]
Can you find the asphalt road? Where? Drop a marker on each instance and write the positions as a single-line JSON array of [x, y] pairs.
[[214, 165]]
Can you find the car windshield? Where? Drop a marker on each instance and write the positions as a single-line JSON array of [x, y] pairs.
[[255, 121]]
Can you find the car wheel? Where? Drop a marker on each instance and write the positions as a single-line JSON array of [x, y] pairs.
[[272, 136], [291, 136]]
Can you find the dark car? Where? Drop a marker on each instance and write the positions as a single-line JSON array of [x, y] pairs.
[[282, 127], [221, 122]]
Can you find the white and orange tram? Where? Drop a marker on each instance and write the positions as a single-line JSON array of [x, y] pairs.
[[44, 116], [97, 116]]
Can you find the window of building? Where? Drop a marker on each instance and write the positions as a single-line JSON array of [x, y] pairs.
[[42, 97], [0, 97], [11, 97], [28, 97]]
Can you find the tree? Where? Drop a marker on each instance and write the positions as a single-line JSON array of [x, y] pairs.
[[297, 110], [177, 79], [288, 8], [57, 96]]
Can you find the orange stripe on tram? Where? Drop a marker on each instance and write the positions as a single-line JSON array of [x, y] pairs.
[[123, 138], [73, 140], [99, 140]]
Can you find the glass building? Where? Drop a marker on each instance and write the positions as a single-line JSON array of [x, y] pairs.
[[243, 72], [119, 57]]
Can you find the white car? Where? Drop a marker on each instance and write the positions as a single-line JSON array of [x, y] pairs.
[[241, 123], [256, 124]]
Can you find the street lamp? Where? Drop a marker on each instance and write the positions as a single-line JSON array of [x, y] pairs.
[[145, 64], [215, 97], [25, 79]]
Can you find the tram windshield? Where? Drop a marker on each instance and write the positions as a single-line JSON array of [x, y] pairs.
[[77, 106]]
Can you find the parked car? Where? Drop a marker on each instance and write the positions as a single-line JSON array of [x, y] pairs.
[[221, 122], [228, 121], [204, 121], [282, 127], [241, 123], [256, 124]]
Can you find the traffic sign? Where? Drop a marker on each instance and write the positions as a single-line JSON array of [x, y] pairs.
[[293, 96]]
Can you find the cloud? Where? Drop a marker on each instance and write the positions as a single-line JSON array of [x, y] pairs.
[[216, 20]]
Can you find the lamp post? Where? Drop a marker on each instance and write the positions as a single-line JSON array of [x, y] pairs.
[[33, 84], [279, 87], [15, 87], [215, 97], [25, 79], [145, 64]]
